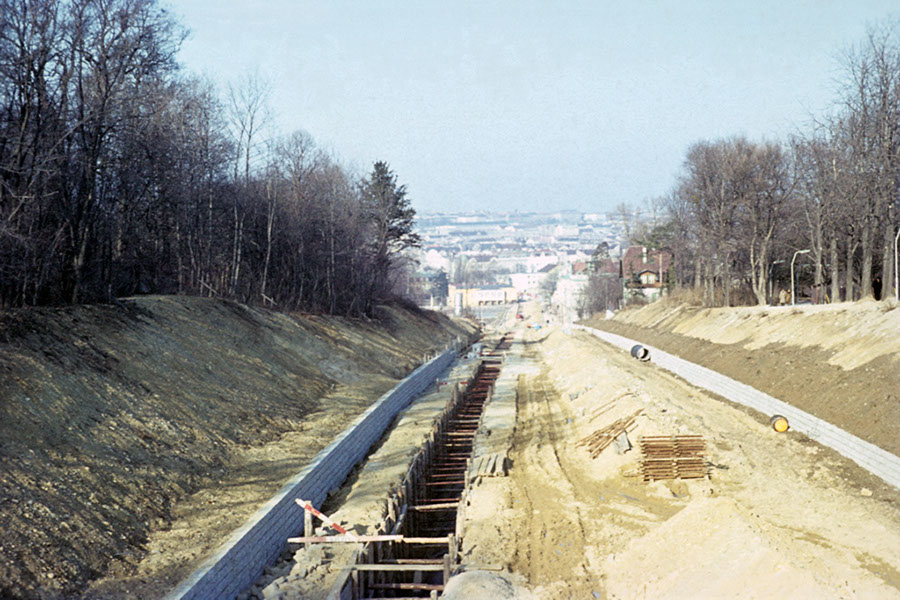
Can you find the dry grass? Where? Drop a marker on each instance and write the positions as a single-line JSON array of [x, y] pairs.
[[689, 296]]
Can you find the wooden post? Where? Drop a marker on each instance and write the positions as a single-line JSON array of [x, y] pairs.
[[447, 569], [370, 577], [308, 526], [453, 548]]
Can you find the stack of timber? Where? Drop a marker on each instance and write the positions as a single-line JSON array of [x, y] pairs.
[[489, 465], [673, 457], [600, 439]]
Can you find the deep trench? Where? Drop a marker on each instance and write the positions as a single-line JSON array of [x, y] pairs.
[[424, 514]]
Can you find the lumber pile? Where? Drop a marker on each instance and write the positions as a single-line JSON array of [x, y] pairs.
[[489, 465], [597, 441], [673, 457]]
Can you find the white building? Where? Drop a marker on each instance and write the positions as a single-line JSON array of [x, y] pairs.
[[436, 261], [527, 284], [570, 289], [536, 262]]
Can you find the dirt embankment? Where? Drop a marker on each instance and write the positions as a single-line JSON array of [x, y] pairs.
[[777, 516], [839, 362], [112, 418]]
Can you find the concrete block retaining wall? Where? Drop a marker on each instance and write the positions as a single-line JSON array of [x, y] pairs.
[[869, 456], [242, 559]]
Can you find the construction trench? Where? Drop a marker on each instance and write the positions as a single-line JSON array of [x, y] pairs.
[[416, 550], [577, 512]]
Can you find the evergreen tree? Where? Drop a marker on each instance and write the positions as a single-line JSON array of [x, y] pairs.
[[388, 212]]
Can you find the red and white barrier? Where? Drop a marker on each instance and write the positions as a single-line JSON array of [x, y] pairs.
[[324, 518]]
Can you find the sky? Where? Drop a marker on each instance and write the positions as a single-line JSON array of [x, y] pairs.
[[531, 106]]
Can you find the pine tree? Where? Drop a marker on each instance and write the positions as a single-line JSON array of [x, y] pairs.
[[388, 212]]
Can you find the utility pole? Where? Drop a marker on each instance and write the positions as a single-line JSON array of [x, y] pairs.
[[793, 297], [896, 274]]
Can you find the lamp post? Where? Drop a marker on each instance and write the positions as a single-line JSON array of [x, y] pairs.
[[793, 297], [896, 273]]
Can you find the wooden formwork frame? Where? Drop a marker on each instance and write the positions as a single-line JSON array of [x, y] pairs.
[[371, 562]]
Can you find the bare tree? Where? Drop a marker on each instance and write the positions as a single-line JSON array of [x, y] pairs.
[[249, 115], [765, 204], [121, 175], [714, 185], [871, 100]]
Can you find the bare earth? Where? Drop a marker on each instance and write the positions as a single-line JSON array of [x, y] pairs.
[[840, 362], [779, 516], [134, 439]]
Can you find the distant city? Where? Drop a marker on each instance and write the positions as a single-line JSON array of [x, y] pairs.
[[470, 260]]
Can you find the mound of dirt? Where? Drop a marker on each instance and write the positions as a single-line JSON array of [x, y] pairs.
[[112, 416], [839, 362]]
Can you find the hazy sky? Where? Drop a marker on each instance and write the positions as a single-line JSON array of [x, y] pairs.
[[534, 106]]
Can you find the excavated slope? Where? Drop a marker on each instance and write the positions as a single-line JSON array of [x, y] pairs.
[[840, 362], [111, 416]]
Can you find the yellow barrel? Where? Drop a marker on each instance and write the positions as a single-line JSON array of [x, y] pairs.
[[779, 423]]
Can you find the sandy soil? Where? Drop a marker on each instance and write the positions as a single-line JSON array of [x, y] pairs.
[[840, 362], [134, 439], [779, 516]]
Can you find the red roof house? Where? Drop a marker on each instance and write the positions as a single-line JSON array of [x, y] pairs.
[[648, 267]]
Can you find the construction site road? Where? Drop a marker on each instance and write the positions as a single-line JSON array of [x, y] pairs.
[[776, 516]]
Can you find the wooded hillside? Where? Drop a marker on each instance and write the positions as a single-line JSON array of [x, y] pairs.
[[121, 174]]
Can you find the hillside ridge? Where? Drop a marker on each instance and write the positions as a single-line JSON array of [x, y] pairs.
[[854, 332], [112, 416]]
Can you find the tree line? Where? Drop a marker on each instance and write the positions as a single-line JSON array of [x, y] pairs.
[[741, 209], [120, 174]]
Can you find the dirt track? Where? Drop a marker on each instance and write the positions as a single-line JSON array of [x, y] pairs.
[[777, 512]]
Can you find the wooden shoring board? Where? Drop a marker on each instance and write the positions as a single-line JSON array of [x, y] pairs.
[[489, 465], [452, 505], [344, 539], [673, 457], [391, 566], [600, 439], [408, 586]]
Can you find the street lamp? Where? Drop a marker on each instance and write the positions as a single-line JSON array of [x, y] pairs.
[[793, 297], [896, 274]]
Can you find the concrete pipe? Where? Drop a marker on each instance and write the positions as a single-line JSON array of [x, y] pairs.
[[779, 423], [640, 353]]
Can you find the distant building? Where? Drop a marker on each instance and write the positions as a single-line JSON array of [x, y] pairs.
[[542, 260], [427, 288], [433, 259], [528, 285], [645, 271], [569, 293], [579, 267], [487, 295]]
